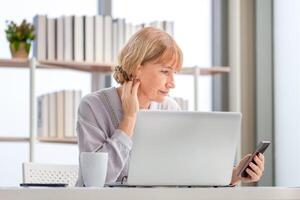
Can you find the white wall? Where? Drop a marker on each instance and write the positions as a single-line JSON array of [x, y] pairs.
[[287, 92]]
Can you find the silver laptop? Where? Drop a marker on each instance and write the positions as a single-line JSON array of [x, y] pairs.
[[183, 148]]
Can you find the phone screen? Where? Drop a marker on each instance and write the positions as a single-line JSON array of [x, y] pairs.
[[263, 145]]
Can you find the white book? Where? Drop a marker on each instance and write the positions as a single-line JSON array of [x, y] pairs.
[[39, 116], [68, 38], [128, 31], [108, 39], [157, 24], [138, 27], [99, 39], [168, 26], [121, 25], [68, 114], [60, 114], [51, 40], [77, 98], [78, 39], [114, 41], [89, 38], [39, 44], [42, 116], [52, 115], [45, 116], [60, 38], [186, 104]]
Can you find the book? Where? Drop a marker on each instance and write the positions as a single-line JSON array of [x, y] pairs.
[[68, 38], [108, 39], [52, 130], [45, 116], [99, 38], [157, 24], [78, 39], [183, 103], [60, 38], [128, 31], [60, 114], [114, 41], [168, 26], [51, 39], [39, 116], [39, 44], [121, 25], [68, 113], [76, 100], [89, 38]]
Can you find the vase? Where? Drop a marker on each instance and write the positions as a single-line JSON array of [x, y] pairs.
[[21, 52]]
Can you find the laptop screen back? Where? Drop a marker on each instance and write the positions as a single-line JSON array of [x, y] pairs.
[[183, 148]]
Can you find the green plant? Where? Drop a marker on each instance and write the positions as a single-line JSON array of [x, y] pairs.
[[17, 34]]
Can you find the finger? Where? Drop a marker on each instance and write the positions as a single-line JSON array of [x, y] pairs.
[[246, 157], [262, 157], [259, 163], [135, 87], [128, 88], [253, 176], [255, 169]]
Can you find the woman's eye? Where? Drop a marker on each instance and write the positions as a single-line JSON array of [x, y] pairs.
[[165, 72]]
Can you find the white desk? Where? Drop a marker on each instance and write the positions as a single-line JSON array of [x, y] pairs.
[[253, 193]]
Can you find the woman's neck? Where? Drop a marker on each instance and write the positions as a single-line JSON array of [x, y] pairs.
[[144, 102]]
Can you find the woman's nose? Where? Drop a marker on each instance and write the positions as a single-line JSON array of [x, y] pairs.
[[171, 82], [171, 85]]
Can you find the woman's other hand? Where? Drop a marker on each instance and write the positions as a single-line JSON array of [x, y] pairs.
[[254, 170], [130, 106]]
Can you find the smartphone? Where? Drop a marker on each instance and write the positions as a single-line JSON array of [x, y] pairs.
[[263, 145]]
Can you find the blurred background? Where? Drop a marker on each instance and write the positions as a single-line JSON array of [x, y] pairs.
[[252, 45]]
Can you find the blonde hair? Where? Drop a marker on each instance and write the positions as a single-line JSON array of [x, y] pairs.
[[147, 45]]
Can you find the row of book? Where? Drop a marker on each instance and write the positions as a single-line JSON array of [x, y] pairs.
[[183, 103], [57, 114], [85, 38]]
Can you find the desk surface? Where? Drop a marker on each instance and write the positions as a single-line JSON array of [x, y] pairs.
[[253, 193]]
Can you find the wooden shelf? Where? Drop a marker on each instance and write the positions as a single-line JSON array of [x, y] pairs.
[[13, 139], [205, 71], [23, 63], [80, 66], [101, 67], [70, 140]]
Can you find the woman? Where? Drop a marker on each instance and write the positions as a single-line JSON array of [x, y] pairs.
[[106, 118]]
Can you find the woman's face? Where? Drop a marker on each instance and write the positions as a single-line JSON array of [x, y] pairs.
[[156, 80]]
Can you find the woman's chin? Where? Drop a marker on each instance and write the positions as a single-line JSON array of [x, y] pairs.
[[159, 99]]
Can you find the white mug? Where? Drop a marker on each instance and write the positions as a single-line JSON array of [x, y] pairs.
[[93, 168]]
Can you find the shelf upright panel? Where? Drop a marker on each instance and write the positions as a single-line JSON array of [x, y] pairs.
[[33, 111], [196, 81]]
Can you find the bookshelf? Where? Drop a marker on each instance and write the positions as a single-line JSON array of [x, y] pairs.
[[71, 140], [88, 67], [31, 64], [13, 139], [80, 66]]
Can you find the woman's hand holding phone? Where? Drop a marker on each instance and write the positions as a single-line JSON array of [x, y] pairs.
[[251, 167]]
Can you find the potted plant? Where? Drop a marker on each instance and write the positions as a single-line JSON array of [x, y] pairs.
[[20, 38]]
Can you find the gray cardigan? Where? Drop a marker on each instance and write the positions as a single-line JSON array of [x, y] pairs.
[[97, 130]]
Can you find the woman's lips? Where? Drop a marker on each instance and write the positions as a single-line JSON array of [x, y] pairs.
[[164, 92]]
